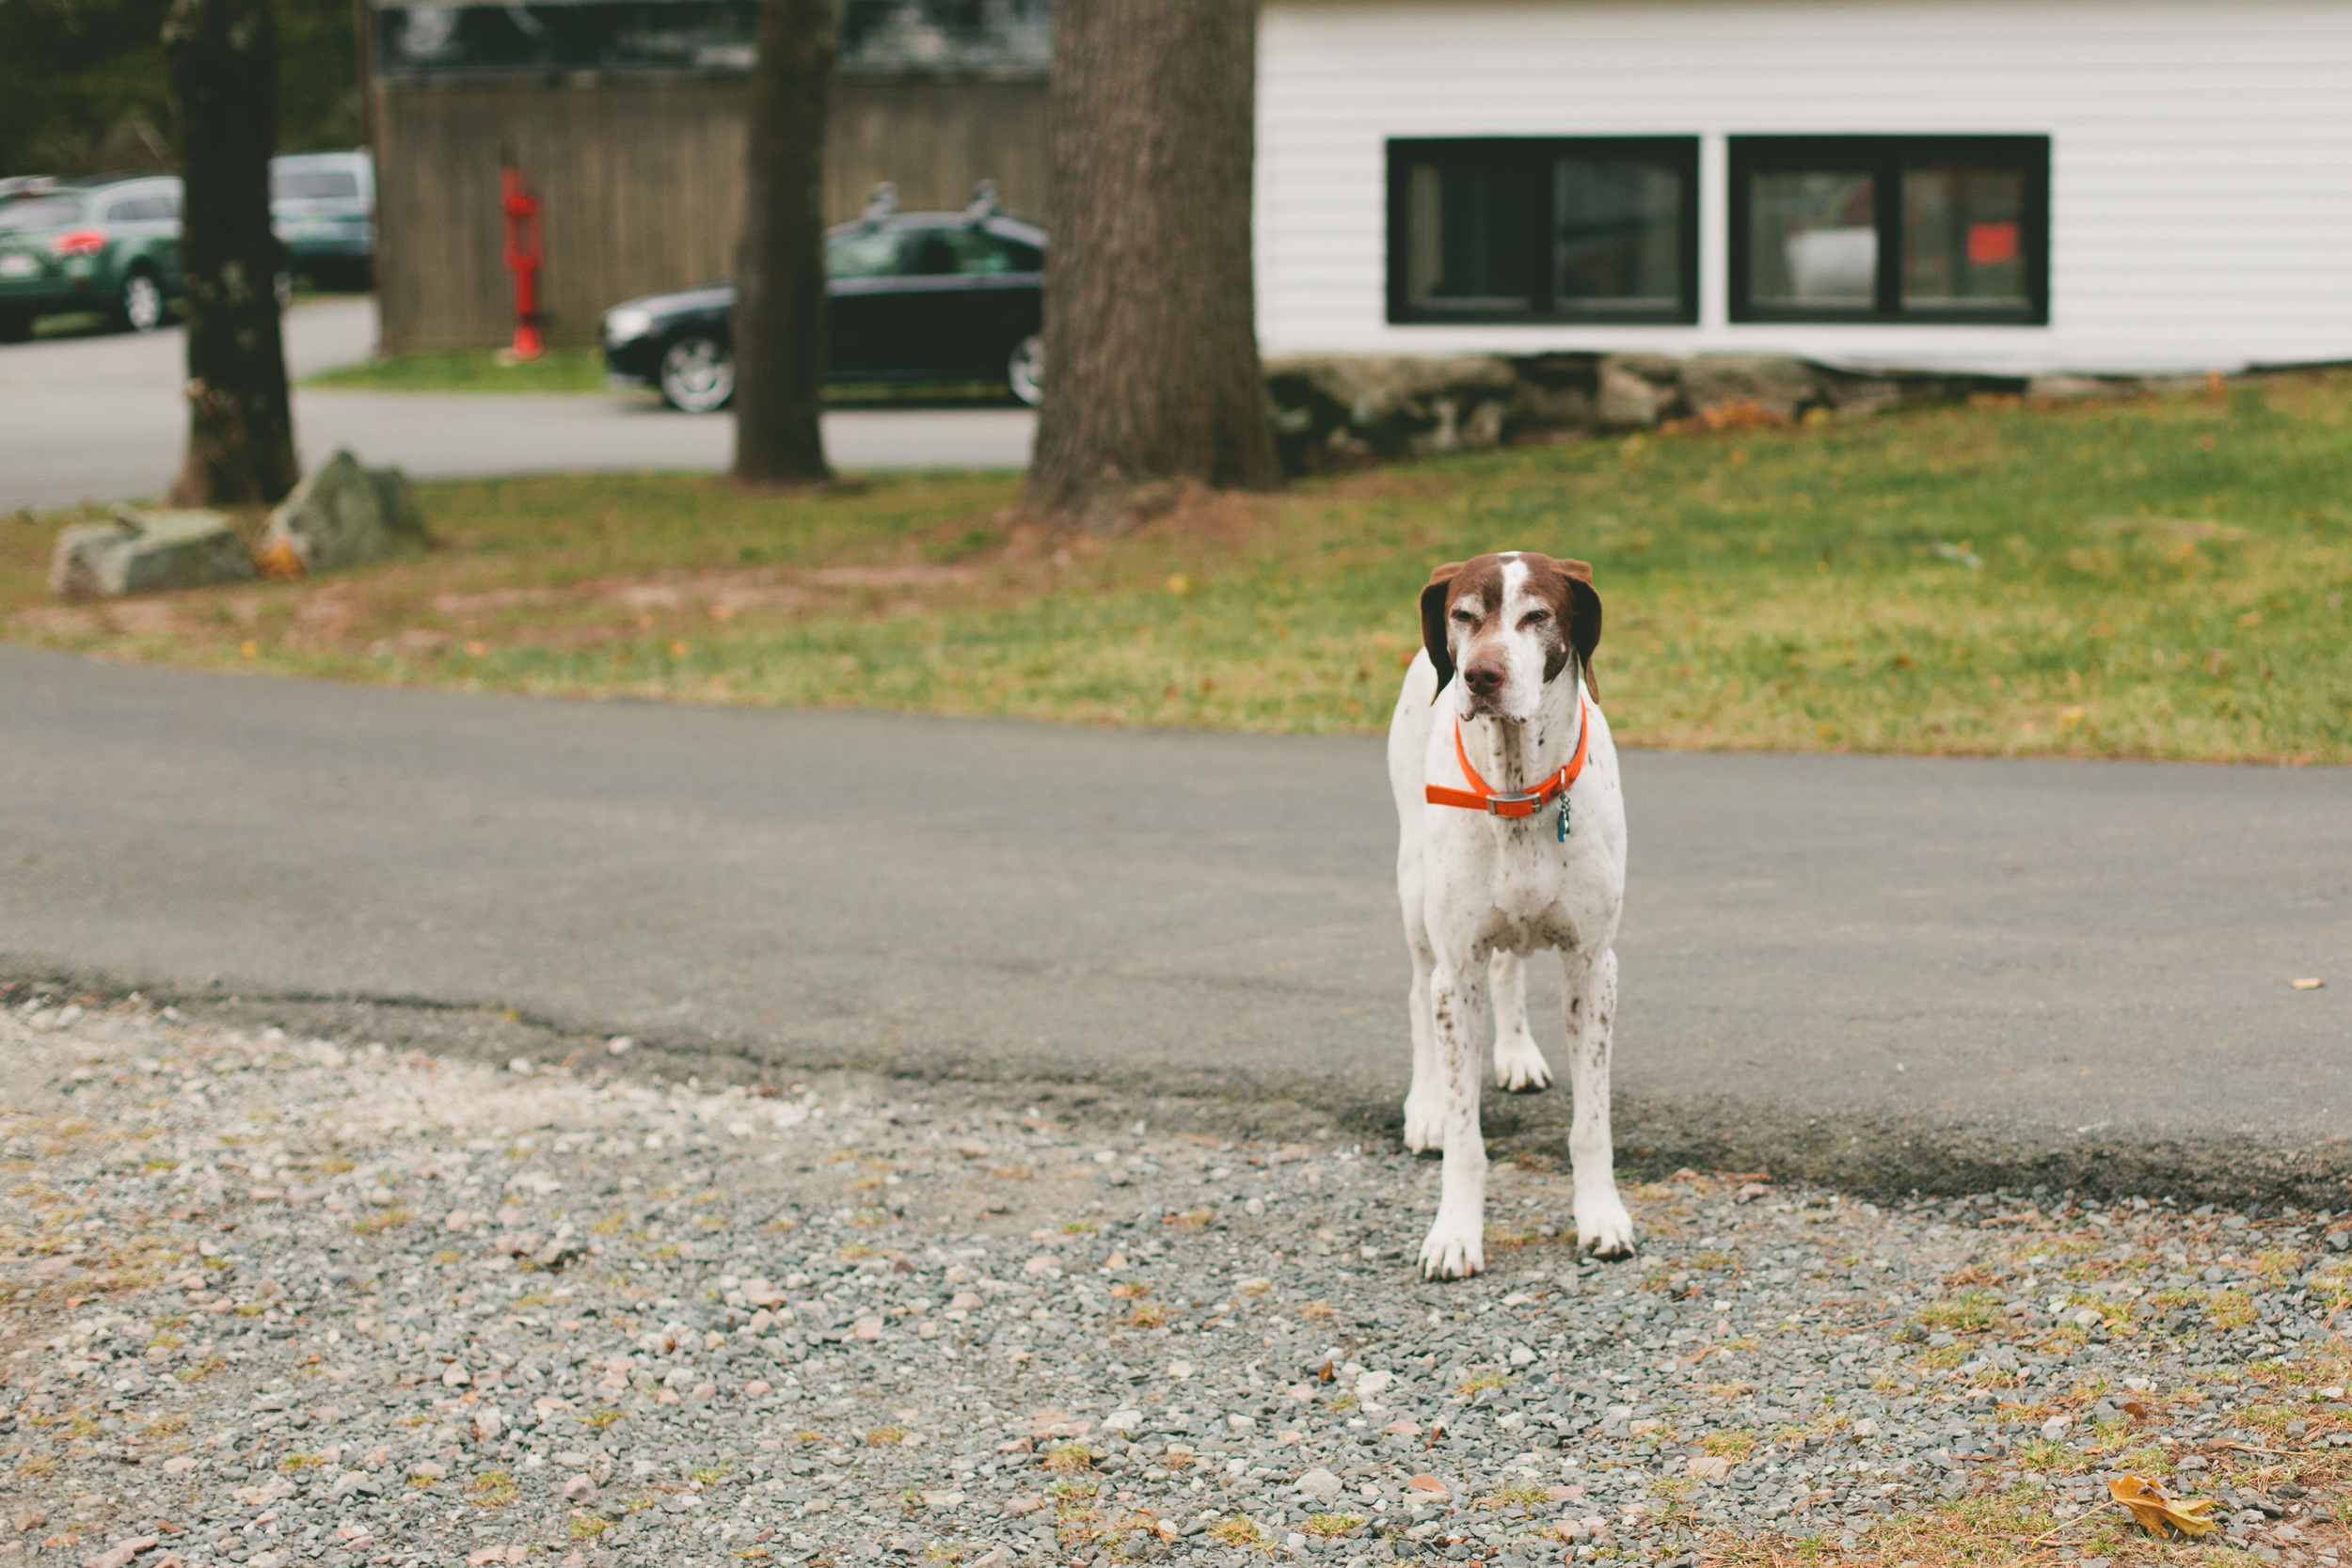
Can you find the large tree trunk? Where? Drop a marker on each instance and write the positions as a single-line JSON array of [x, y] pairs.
[[222, 57], [779, 278], [1151, 333]]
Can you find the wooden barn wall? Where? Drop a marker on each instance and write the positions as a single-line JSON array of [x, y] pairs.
[[640, 182]]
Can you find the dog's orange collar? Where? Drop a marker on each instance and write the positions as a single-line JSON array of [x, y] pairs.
[[1523, 802]]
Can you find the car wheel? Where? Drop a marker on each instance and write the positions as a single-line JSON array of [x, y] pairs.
[[697, 374], [141, 307], [1025, 372]]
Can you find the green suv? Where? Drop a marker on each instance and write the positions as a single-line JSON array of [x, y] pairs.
[[94, 245]]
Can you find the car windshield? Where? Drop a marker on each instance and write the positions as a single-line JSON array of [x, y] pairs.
[[39, 212], [305, 184]]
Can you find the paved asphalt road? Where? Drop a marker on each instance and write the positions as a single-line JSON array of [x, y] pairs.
[[1892, 971], [100, 418]]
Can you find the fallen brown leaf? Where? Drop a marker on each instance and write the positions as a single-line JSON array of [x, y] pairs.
[[279, 561], [2156, 1508]]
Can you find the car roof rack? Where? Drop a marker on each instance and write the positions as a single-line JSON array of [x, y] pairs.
[[879, 205], [984, 203]]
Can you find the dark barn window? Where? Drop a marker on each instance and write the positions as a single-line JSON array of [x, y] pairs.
[[1891, 228], [1544, 229]]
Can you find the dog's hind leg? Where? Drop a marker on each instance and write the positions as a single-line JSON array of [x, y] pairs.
[[1602, 1224], [1456, 1246], [1519, 1068]]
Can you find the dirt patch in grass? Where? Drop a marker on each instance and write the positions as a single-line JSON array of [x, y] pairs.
[[2166, 577]]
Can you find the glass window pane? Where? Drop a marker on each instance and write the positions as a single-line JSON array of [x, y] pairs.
[[932, 252], [1963, 238], [1619, 239], [869, 253], [1467, 245], [35, 214], [979, 252], [310, 185], [1811, 240]]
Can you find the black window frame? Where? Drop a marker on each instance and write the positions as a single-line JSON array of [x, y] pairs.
[[1885, 158], [1536, 155]]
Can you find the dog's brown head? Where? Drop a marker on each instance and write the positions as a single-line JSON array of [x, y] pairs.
[[1508, 624]]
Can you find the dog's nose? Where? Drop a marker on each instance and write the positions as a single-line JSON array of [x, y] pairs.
[[1485, 676]]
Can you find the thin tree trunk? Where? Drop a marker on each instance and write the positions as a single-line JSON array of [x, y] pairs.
[[222, 58], [1151, 333], [779, 278]]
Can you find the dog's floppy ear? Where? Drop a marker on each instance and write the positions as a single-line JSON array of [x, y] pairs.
[[1583, 618], [1433, 622]]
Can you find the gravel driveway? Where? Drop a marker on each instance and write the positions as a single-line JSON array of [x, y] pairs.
[[274, 1300]]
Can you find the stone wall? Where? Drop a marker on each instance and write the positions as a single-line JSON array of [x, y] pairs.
[[1332, 411]]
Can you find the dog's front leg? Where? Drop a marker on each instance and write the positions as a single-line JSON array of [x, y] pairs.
[[1457, 1245], [1424, 1103], [1602, 1224]]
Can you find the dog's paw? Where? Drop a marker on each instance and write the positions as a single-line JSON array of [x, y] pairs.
[[1603, 1227], [1519, 1068], [1454, 1249], [1424, 1122]]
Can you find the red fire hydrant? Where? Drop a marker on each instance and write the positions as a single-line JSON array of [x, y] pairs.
[[522, 257]]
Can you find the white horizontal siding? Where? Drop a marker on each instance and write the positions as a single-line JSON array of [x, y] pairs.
[[2201, 184]]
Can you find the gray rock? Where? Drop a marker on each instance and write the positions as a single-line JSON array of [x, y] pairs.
[[1334, 407], [1629, 400], [345, 515], [558, 1253], [1637, 390], [1338, 408], [1319, 1485], [141, 551], [1776, 385], [1557, 393], [2074, 389]]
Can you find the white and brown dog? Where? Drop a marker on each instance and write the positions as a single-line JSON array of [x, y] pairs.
[[1511, 838]]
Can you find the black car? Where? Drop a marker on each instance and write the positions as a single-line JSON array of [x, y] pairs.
[[910, 297]]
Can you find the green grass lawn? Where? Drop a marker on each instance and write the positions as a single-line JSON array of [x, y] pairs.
[[2166, 577], [581, 370], [471, 370]]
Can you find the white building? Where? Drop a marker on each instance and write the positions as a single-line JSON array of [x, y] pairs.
[[2005, 186]]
